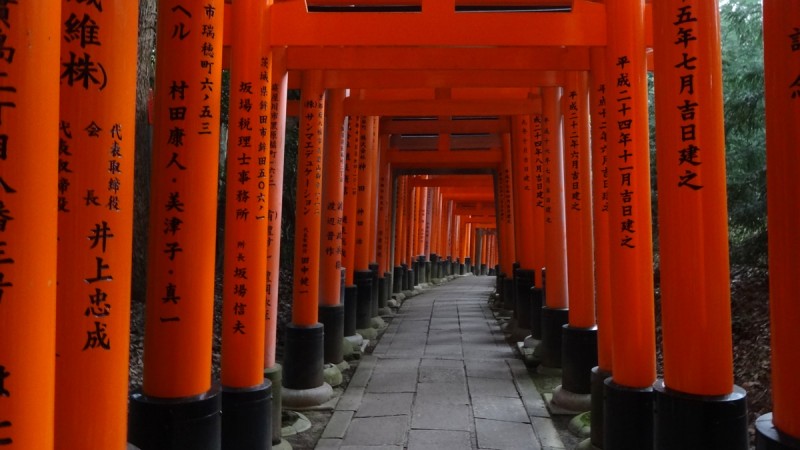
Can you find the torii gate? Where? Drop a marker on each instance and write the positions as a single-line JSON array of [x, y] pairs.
[[479, 69]]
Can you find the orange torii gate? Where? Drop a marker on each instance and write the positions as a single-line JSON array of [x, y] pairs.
[[439, 89]]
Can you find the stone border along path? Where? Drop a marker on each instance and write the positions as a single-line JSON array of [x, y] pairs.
[[442, 377]]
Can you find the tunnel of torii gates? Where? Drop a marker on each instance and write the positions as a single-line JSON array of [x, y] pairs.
[[436, 137]]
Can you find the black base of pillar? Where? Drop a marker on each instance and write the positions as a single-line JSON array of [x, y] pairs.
[[434, 265], [524, 282], [302, 363], [342, 284], [461, 269], [693, 422], [628, 417], [247, 417], [350, 309], [332, 319], [363, 280], [275, 375], [498, 286], [383, 289], [553, 321], [598, 405], [408, 280], [770, 438], [578, 357], [537, 303], [468, 264], [373, 267], [169, 424], [397, 279], [508, 292], [428, 271]]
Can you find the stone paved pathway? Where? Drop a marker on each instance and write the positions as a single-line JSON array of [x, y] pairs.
[[442, 377]]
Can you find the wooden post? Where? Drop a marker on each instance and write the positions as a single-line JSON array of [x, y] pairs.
[[277, 139], [351, 197], [28, 217], [782, 80], [363, 215], [246, 396], [246, 211], [579, 337], [331, 307], [555, 312], [96, 146], [693, 234], [602, 270], [304, 337], [183, 209], [629, 392], [505, 218], [525, 276]]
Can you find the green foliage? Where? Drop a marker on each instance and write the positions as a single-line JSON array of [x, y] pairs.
[[743, 83]]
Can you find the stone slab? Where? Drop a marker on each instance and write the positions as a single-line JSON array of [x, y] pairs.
[[499, 408], [494, 434], [547, 433], [439, 440], [483, 369], [432, 416], [393, 382], [493, 387], [443, 374], [337, 425], [388, 404], [443, 393], [377, 431]]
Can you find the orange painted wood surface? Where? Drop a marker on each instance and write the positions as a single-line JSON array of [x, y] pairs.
[[277, 141], [631, 247], [28, 217], [247, 204], [335, 152], [782, 72], [351, 197], [308, 211], [555, 220], [96, 154], [692, 200], [600, 152], [180, 289], [578, 201]]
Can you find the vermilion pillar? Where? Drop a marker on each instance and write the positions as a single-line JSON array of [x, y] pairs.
[[579, 338], [28, 220], [693, 235], [555, 312], [304, 336], [781, 429], [331, 307], [505, 220], [629, 392], [363, 276], [525, 276], [177, 391], [277, 140], [246, 396], [96, 147], [383, 227], [602, 271], [538, 174], [350, 199], [351, 196]]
